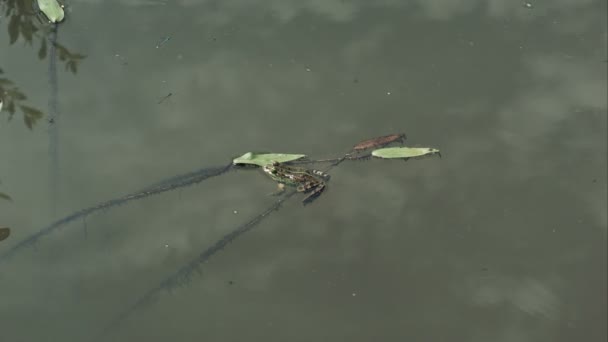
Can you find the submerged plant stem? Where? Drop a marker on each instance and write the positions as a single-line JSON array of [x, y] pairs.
[[33, 238], [183, 275]]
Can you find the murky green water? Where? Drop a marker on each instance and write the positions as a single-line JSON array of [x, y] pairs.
[[503, 239]]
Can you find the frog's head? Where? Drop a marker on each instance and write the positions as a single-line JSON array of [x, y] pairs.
[[272, 167]]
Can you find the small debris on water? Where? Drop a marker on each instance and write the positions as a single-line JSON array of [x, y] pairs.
[[308, 69], [528, 5], [388, 93], [166, 245], [164, 98], [354, 294], [235, 212], [162, 42]]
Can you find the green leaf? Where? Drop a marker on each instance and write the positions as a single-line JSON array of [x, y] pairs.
[[10, 107], [30, 116], [71, 66], [15, 94], [404, 152], [52, 10], [262, 159], [4, 233], [6, 81], [13, 29], [5, 196], [26, 31]]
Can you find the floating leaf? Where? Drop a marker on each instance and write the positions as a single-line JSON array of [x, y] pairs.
[[262, 159], [404, 152], [52, 10], [4, 233]]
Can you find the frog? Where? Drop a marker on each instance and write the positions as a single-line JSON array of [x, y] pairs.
[[305, 180]]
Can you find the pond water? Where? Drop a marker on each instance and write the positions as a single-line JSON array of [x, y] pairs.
[[501, 239]]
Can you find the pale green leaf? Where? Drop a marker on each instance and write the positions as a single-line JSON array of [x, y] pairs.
[[403, 152], [262, 159], [52, 9]]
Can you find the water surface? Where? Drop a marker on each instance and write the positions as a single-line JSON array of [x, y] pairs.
[[503, 239]]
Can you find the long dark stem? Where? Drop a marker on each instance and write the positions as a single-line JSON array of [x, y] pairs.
[[33, 238], [185, 273], [53, 120]]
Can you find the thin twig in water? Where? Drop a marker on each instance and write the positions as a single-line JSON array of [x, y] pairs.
[[162, 42], [164, 98]]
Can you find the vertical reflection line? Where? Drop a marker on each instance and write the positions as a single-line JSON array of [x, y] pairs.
[[53, 123]]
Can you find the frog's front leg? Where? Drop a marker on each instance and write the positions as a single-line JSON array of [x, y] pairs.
[[280, 190], [314, 194]]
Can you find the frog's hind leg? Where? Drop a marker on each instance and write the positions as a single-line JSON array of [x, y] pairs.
[[321, 174], [316, 192]]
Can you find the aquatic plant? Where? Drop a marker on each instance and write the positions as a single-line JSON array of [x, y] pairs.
[[404, 152], [184, 275], [263, 159], [33, 238], [11, 98]]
